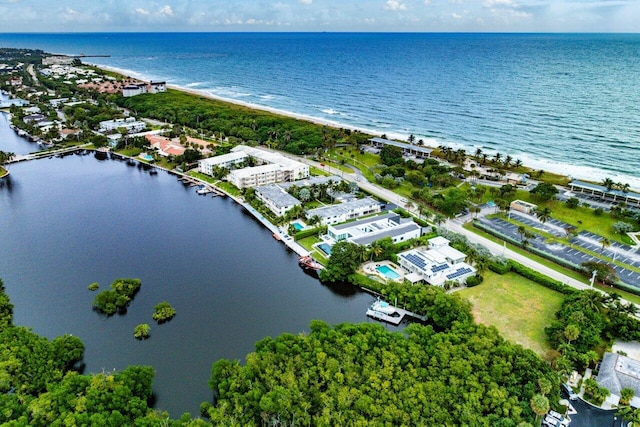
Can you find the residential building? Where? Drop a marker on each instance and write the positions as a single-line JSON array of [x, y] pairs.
[[334, 214], [276, 199], [206, 166], [436, 263], [166, 147], [292, 170], [256, 176], [618, 372], [134, 89], [130, 124], [366, 231], [157, 87]]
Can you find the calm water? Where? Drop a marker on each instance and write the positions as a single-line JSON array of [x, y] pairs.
[[67, 222], [564, 102]]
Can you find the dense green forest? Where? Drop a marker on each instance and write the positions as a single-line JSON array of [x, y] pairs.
[[358, 374], [456, 374], [237, 122]]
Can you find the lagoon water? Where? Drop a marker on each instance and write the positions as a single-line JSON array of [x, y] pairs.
[[67, 222], [564, 102]]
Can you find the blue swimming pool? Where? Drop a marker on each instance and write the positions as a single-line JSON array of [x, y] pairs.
[[324, 247], [388, 272], [297, 226], [147, 157]]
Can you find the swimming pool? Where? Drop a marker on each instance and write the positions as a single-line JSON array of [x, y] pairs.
[[388, 272], [147, 157], [297, 226], [324, 247]]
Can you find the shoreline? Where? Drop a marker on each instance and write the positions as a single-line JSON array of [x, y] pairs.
[[572, 171]]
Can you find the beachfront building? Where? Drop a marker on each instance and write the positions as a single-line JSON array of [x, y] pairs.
[[256, 176], [292, 170], [157, 87], [276, 199], [631, 198], [134, 89], [368, 230], [408, 150], [130, 124], [335, 214], [226, 161], [436, 264]]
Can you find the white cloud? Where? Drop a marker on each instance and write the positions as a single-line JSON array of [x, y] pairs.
[[395, 5], [456, 16], [305, 1], [143, 12], [166, 11], [427, 2], [499, 3]]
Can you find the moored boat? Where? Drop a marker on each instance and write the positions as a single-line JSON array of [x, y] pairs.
[[308, 263]]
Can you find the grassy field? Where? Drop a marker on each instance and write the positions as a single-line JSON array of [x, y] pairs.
[[519, 308]]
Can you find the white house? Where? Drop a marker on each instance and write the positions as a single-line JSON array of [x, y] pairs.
[[276, 199], [334, 214], [224, 161], [256, 176], [436, 264], [366, 231]]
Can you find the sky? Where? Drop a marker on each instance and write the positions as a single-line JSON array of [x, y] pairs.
[[320, 15]]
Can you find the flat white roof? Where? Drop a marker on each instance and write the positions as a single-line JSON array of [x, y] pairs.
[[224, 158]]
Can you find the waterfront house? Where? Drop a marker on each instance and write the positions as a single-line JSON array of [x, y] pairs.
[[292, 170], [134, 89], [368, 230], [618, 372], [165, 146], [276, 199], [335, 214], [436, 264]]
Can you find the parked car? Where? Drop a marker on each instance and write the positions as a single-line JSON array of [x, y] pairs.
[[570, 392]]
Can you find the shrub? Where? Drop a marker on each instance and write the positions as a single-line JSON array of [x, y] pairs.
[[572, 202], [311, 232], [474, 280], [598, 211], [540, 278], [94, 286], [118, 297], [500, 265]]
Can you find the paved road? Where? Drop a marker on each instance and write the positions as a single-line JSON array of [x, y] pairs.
[[588, 416]]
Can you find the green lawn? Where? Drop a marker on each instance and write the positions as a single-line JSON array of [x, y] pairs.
[[519, 308]]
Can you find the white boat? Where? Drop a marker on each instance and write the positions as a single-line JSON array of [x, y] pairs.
[[383, 307]]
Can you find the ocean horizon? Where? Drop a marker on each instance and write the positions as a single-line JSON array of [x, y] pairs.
[[566, 103]]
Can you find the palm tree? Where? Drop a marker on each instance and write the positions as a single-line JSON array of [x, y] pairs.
[[539, 405], [608, 183], [420, 142], [543, 214], [484, 156], [497, 157], [478, 154], [411, 139], [518, 163], [521, 231], [438, 219], [375, 251], [507, 161], [625, 187], [605, 243]]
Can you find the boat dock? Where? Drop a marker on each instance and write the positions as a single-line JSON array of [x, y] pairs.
[[384, 312], [203, 188]]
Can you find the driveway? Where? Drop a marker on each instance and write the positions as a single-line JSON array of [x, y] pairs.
[[588, 416]]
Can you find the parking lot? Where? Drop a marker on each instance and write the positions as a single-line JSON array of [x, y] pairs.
[[571, 255]]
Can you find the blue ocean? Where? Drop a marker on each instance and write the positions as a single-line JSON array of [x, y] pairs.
[[569, 103]]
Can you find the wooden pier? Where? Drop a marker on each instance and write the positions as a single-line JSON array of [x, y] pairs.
[[206, 188]]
